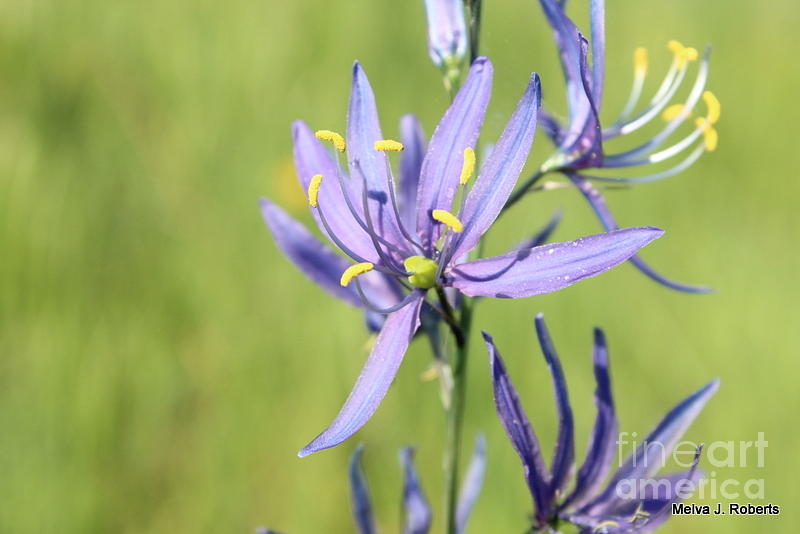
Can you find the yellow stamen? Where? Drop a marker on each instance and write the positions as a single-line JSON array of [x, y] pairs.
[[333, 137], [691, 54], [353, 271], [601, 526], [675, 47], [468, 167], [385, 145], [712, 103], [448, 219], [710, 135], [672, 112], [313, 189], [640, 61]]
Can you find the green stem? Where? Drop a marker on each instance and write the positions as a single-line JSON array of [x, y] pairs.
[[455, 417]]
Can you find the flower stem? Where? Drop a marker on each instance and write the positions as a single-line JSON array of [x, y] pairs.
[[455, 417]]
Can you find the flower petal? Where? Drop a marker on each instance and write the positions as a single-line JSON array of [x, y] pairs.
[[413, 139], [487, 197], [374, 380], [471, 487], [359, 493], [564, 455], [597, 16], [551, 267], [418, 513], [598, 204], [458, 129], [363, 129], [310, 158], [314, 259], [649, 456], [520, 432], [600, 452]]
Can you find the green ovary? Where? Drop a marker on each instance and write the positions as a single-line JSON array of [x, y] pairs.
[[423, 269]]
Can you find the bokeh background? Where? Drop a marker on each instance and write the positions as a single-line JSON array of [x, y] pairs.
[[161, 363]]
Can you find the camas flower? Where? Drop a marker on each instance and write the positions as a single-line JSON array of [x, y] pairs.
[[613, 509], [407, 242], [417, 514], [582, 140], [447, 32]]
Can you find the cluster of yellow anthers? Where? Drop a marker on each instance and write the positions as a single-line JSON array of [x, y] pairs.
[[419, 266], [705, 124]]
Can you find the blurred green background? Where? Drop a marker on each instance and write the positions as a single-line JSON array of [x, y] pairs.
[[161, 363]]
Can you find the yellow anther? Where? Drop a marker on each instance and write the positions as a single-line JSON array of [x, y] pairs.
[[672, 112], [313, 189], [448, 219], [468, 167], [675, 47], [691, 54], [710, 135], [385, 145], [640, 61], [353, 271], [333, 137], [712, 103]]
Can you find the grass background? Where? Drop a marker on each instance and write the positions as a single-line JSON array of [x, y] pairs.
[[161, 363]]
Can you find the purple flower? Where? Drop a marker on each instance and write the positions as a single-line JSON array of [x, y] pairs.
[[408, 241], [633, 501], [582, 140]]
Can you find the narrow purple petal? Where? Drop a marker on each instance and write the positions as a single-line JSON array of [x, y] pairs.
[[597, 16], [413, 138], [551, 267], [564, 454], [520, 432], [310, 158], [359, 493], [458, 129], [600, 452], [650, 456], [363, 129], [314, 259], [493, 186], [418, 513], [568, 42], [374, 380], [598, 204], [471, 487]]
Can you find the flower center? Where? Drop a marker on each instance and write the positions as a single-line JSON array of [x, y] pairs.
[[423, 269]]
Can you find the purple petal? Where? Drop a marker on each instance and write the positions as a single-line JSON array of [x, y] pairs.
[[598, 204], [473, 482], [487, 197], [600, 452], [649, 456], [359, 493], [548, 268], [374, 380], [314, 259], [568, 41], [413, 139], [564, 454], [520, 433], [458, 129], [418, 511], [312, 158], [597, 16], [363, 129]]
